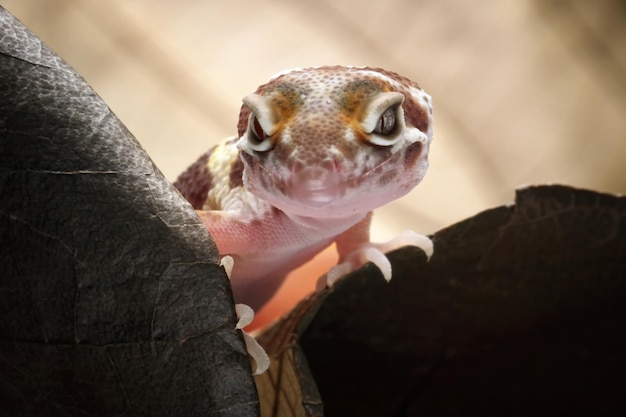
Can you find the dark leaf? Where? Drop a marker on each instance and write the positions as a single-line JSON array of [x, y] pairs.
[[520, 311], [111, 302]]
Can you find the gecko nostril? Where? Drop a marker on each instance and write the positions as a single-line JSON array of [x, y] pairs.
[[413, 153]]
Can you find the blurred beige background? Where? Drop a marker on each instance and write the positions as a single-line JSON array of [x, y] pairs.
[[525, 92]]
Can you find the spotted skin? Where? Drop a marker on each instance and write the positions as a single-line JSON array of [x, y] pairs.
[[317, 150]]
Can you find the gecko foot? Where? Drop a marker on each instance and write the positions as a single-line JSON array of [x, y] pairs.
[[245, 315], [375, 253]]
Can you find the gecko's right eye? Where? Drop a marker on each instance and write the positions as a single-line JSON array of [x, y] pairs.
[[261, 123], [257, 138], [259, 134]]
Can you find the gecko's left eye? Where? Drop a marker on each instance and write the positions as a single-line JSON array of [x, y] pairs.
[[384, 120], [386, 124]]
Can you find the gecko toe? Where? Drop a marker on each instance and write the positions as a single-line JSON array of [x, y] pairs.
[[411, 238], [256, 351], [356, 260], [227, 262], [379, 259], [245, 314], [335, 273]]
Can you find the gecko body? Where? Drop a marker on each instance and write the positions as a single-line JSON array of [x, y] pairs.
[[317, 150]]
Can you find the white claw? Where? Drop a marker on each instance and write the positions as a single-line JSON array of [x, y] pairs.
[[245, 314], [258, 354], [379, 259], [335, 273], [357, 259], [227, 262], [411, 238]]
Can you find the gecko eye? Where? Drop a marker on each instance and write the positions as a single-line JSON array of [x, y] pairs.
[[257, 138], [386, 125], [384, 119], [259, 133]]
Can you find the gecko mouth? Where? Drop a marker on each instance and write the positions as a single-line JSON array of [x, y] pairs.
[[316, 197], [323, 185]]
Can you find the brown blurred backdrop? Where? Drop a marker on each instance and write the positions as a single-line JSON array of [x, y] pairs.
[[525, 92]]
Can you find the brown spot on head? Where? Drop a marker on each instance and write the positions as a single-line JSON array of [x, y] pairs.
[[356, 94], [286, 97]]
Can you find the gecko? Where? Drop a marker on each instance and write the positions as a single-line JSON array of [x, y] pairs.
[[317, 150]]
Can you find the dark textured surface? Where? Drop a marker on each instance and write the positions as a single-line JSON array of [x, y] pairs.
[[111, 302], [519, 312]]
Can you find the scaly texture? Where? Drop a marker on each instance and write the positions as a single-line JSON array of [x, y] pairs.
[[317, 150]]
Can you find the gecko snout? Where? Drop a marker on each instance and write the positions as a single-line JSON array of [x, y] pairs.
[[315, 176]]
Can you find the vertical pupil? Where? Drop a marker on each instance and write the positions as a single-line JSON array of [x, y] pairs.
[[258, 130], [386, 123]]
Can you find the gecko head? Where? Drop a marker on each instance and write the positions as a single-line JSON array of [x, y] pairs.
[[334, 141]]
